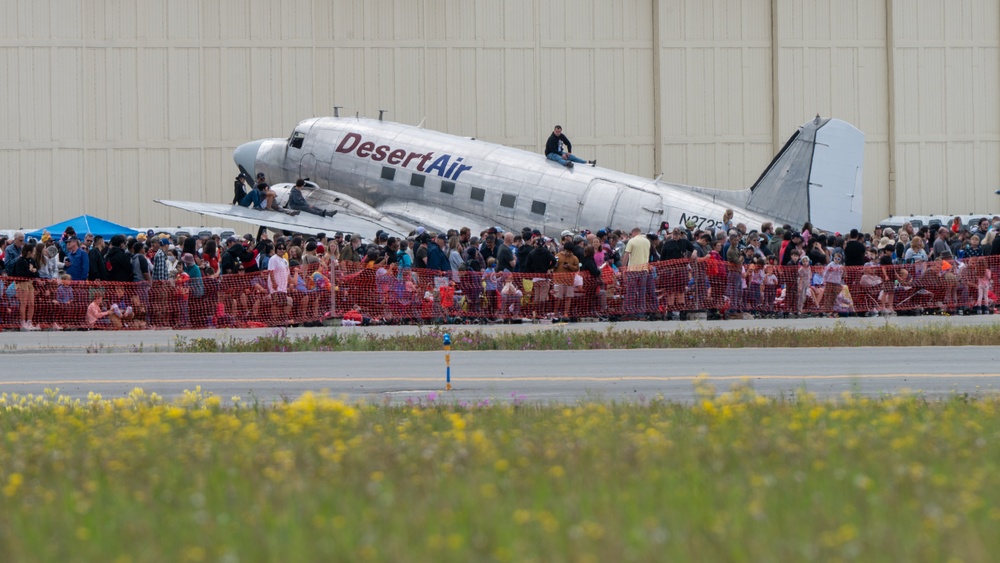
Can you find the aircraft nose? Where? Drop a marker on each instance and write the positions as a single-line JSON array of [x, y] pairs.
[[245, 157]]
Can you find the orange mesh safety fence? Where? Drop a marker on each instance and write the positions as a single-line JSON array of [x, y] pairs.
[[365, 294]]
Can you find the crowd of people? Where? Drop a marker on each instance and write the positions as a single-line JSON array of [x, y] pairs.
[[160, 281]]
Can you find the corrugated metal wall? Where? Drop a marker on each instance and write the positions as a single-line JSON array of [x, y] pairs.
[[108, 104]]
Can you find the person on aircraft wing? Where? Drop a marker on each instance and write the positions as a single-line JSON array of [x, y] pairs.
[[559, 149], [254, 198], [263, 194], [240, 189], [297, 201]]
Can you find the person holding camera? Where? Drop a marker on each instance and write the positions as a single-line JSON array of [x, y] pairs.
[[77, 263]]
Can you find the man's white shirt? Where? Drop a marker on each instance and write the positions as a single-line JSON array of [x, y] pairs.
[[279, 283]]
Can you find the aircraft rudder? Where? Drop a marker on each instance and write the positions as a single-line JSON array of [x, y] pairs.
[[815, 177]]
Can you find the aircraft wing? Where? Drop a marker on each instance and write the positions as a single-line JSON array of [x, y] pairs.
[[305, 223], [436, 218]]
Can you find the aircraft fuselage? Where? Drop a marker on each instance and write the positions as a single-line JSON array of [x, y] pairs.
[[424, 177]]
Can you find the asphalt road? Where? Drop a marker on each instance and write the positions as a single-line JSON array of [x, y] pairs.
[[63, 362]]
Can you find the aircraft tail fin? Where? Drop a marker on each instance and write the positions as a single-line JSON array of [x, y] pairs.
[[816, 177]]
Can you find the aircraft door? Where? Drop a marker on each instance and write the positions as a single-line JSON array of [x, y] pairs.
[[299, 157], [597, 204], [638, 208], [308, 167]]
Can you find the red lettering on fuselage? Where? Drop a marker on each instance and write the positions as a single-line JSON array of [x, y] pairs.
[[396, 156], [355, 143]]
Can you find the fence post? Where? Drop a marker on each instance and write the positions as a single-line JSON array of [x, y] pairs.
[[447, 361], [333, 286]]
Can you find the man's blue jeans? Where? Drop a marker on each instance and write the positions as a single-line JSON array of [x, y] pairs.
[[252, 199], [636, 289], [558, 158]]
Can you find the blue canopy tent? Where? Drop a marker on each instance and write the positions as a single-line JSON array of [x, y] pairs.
[[86, 224]]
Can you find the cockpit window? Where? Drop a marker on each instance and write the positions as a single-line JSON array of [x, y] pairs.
[[297, 139]]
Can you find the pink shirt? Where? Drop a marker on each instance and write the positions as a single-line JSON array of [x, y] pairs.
[[94, 313]]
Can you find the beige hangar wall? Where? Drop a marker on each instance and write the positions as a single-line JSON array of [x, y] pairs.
[[108, 104]]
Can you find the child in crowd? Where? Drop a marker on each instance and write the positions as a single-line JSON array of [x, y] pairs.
[[843, 305], [510, 297], [490, 286], [97, 316], [770, 288], [984, 282]]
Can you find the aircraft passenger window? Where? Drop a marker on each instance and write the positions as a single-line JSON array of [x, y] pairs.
[[507, 200], [448, 187], [478, 194], [388, 173], [297, 140], [538, 207], [417, 180]]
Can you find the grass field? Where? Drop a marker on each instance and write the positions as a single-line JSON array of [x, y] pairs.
[[840, 335], [732, 477]]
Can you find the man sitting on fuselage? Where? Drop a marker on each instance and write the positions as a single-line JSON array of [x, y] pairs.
[[559, 149]]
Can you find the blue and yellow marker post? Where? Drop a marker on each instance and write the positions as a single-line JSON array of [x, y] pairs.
[[447, 361]]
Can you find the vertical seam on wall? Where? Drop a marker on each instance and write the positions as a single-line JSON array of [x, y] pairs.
[[890, 75], [657, 113], [775, 124], [201, 98], [538, 75]]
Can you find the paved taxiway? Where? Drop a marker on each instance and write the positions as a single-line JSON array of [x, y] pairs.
[[81, 362]]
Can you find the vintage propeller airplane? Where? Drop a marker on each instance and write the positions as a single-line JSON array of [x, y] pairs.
[[383, 175]]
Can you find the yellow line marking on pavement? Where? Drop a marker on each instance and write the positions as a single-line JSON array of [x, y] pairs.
[[429, 379]]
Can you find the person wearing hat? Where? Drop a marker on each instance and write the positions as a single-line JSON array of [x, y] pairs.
[[77, 263], [437, 260], [160, 271], [794, 243], [67, 234], [159, 291], [239, 191], [231, 260]]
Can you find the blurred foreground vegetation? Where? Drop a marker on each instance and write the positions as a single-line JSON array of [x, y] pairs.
[[732, 477]]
